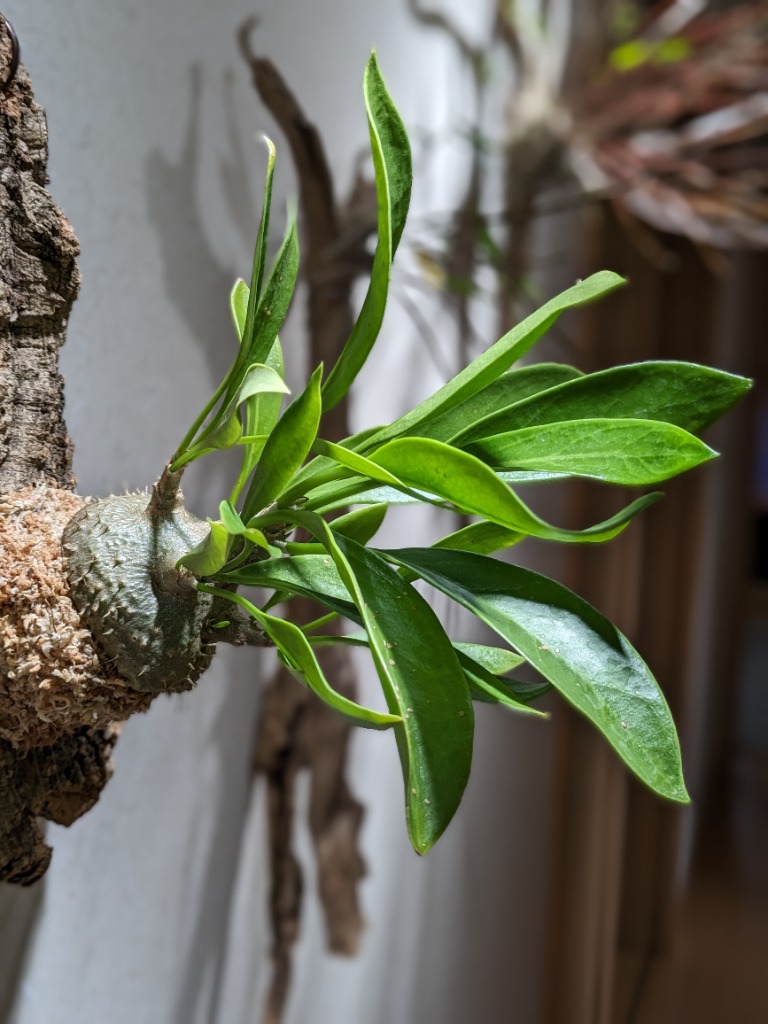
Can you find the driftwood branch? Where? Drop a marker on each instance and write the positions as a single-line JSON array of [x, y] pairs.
[[39, 280]]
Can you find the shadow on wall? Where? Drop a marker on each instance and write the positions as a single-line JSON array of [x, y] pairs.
[[195, 280]]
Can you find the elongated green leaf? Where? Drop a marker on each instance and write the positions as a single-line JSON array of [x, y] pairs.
[[585, 657], [498, 358], [273, 305], [260, 251], [511, 387], [421, 678], [300, 657], [210, 554], [287, 447], [392, 166], [684, 394], [473, 488], [312, 575], [630, 452]]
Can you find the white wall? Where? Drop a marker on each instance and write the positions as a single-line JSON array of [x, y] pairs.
[[154, 907]]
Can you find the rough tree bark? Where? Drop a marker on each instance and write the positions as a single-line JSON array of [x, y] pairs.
[[39, 281], [297, 732]]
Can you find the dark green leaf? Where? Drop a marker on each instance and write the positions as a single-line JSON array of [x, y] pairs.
[[287, 447], [467, 482], [629, 452], [498, 358], [421, 678], [683, 394], [301, 659], [585, 657], [392, 167], [511, 387]]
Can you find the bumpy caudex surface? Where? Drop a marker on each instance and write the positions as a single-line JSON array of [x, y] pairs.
[[156, 587]]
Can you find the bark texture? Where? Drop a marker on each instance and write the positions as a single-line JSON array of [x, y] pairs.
[[39, 281], [296, 731]]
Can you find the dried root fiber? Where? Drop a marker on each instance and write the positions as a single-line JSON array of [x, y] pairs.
[[52, 677]]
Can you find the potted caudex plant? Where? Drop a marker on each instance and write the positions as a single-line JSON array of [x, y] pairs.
[[157, 588]]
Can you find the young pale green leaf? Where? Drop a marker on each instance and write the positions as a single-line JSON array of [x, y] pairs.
[[474, 488], [260, 250], [498, 358], [261, 379], [483, 538], [511, 387], [210, 554], [298, 654], [392, 167], [570, 643], [683, 394], [226, 435], [489, 689], [287, 447], [238, 306], [235, 527], [630, 452], [262, 411], [362, 524], [496, 660]]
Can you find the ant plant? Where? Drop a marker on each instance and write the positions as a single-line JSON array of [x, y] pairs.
[[158, 587]]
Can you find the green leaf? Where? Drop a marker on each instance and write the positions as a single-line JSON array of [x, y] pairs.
[[206, 558], [313, 576], [261, 379], [683, 394], [486, 687], [362, 524], [260, 250], [570, 643], [474, 488], [235, 527], [392, 166], [421, 678], [496, 660], [483, 538], [226, 435], [498, 358], [629, 452], [299, 656], [273, 305], [238, 305], [511, 387], [287, 447]]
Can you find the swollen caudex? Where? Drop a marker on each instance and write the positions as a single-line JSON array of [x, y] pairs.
[[94, 616], [147, 616]]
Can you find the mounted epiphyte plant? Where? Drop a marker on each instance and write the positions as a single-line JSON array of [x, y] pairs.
[[158, 588]]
